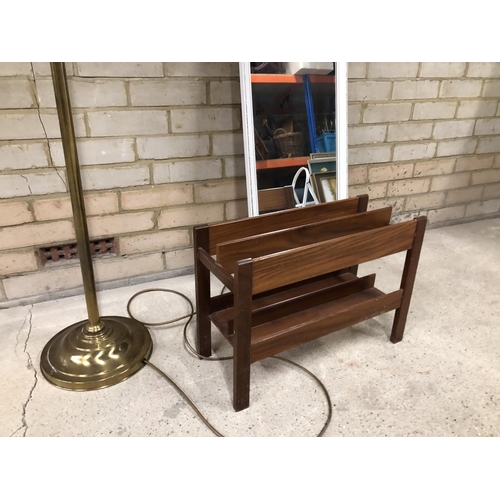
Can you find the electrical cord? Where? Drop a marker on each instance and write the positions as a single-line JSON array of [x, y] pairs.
[[193, 351]]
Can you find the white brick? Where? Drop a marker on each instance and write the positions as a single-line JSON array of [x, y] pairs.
[[491, 89], [424, 201], [474, 163], [161, 173], [15, 94], [464, 195], [43, 282], [380, 113], [53, 130], [415, 151], [157, 196], [127, 267], [189, 216], [60, 208], [114, 177], [68, 277], [120, 69], [442, 69], [446, 214], [358, 175], [14, 213], [85, 94], [409, 132], [204, 119], [366, 135], [356, 70], [407, 186], [476, 108], [187, 171], [110, 225], [482, 208], [452, 181], [158, 241], [461, 88], [97, 151], [17, 262], [136, 122], [32, 184], [47, 182], [369, 91], [489, 145], [234, 167], [354, 114], [3, 297], [488, 126], [20, 126], [225, 92], [486, 176], [22, 156], [15, 68], [451, 129], [229, 144], [370, 154], [392, 69], [397, 204], [236, 209], [491, 191], [419, 89], [456, 147], [43, 69], [484, 70], [434, 110], [207, 69], [374, 191], [434, 167], [167, 93], [389, 173], [180, 259], [178, 146], [220, 191], [28, 235], [12, 186]]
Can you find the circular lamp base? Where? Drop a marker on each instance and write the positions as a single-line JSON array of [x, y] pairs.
[[78, 360]]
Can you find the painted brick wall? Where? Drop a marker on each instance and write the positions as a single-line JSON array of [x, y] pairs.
[[425, 137], [160, 148]]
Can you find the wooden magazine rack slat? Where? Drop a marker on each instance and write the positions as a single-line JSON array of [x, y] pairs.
[[292, 277]]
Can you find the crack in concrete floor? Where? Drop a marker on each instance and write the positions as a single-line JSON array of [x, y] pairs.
[[29, 366]]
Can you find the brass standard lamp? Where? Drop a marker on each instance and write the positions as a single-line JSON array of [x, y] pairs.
[[97, 352]]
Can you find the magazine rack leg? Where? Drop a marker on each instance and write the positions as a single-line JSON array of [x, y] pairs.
[[242, 334], [407, 281], [202, 283]]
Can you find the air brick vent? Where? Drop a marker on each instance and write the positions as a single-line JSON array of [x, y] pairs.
[[69, 251]]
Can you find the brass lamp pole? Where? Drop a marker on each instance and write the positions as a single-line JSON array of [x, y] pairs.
[[97, 352]]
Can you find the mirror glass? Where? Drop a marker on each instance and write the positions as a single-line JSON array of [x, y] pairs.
[[291, 127]]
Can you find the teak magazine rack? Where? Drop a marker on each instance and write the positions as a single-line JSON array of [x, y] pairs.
[[292, 277]]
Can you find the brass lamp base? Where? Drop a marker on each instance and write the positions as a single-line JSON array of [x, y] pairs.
[[81, 360]]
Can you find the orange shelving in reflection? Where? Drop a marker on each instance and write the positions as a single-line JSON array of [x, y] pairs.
[[278, 78]]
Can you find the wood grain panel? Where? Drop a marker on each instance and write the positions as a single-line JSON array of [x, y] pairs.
[[256, 246], [290, 266], [251, 226]]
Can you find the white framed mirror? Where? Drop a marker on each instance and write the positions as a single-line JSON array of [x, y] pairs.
[[294, 119]]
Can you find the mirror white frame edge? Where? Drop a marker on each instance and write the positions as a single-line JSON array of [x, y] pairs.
[[249, 137]]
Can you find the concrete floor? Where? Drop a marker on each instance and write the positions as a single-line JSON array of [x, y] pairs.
[[443, 379]]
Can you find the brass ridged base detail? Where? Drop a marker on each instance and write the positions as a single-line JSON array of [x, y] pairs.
[[77, 360]]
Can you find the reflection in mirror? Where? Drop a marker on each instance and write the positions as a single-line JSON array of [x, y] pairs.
[[294, 125]]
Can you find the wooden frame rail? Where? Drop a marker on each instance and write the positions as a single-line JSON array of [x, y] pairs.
[[292, 277]]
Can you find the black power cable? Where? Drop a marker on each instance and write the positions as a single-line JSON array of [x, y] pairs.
[[191, 349]]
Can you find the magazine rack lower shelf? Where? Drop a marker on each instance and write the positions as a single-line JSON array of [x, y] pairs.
[[297, 284]]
